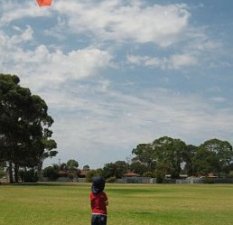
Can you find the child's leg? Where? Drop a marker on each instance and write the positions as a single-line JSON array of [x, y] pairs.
[[94, 220], [103, 220], [99, 220]]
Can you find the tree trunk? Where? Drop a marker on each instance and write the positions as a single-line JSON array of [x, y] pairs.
[[16, 173], [10, 172], [39, 167]]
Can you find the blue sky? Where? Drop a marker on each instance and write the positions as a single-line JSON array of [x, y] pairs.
[[116, 73]]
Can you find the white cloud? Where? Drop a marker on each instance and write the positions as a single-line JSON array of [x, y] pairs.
[[42, 67], [22, 37], [8, 43], [177, 61], [13, 11], [126, 20]]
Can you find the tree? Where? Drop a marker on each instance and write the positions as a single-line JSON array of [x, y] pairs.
[[117, 169], [86, 168], [63, 167], [2, 172], [121, 168], [25, 138], [188, 157], [51, 172], [169, 155], [28, 175], [213, 156], [93, 173], [72, 166], [205, 162], [145, 154], [138, 167]]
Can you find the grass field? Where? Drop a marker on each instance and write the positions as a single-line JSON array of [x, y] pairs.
[[57, 204]]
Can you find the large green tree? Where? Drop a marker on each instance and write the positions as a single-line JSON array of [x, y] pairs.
[[116, 169], [145, 154], [169, 154], [25, 137], [213, 156], [138, 167], [72, 166]]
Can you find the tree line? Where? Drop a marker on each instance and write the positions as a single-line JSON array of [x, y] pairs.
[[164, 156], [170, 156], [25, 135]]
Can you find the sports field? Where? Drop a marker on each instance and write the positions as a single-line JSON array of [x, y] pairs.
[[57, 204]]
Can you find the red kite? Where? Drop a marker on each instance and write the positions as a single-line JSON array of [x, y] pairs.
[[44, 2]]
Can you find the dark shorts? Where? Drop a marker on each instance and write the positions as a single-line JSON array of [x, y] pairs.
[[99, 220]]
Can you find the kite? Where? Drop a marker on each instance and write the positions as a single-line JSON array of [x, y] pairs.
[[44, 2]]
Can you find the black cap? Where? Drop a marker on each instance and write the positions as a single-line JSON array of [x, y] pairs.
[[98, 184]]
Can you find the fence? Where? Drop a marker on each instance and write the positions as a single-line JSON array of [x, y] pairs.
[[189, 180], [205, 180]]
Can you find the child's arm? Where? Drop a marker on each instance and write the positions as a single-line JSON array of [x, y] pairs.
[[106, 199]]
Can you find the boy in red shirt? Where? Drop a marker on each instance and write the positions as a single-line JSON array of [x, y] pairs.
[[99, 202]]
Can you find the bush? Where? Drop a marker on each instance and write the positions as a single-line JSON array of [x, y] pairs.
[[28, 176], [208, 180], [51, 173], [2, 173], [111, 180], [71, 175], [159, 179], [230, 174], [149, 174], [160, 176], [93, 173]]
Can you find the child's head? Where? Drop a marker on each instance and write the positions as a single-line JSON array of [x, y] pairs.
[[98, 184]]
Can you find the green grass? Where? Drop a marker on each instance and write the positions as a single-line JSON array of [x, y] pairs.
[[129, 204]]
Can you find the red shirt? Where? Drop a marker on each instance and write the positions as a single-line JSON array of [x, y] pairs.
[[98, 203]]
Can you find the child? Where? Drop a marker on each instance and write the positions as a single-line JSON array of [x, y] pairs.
[[99, 201]]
